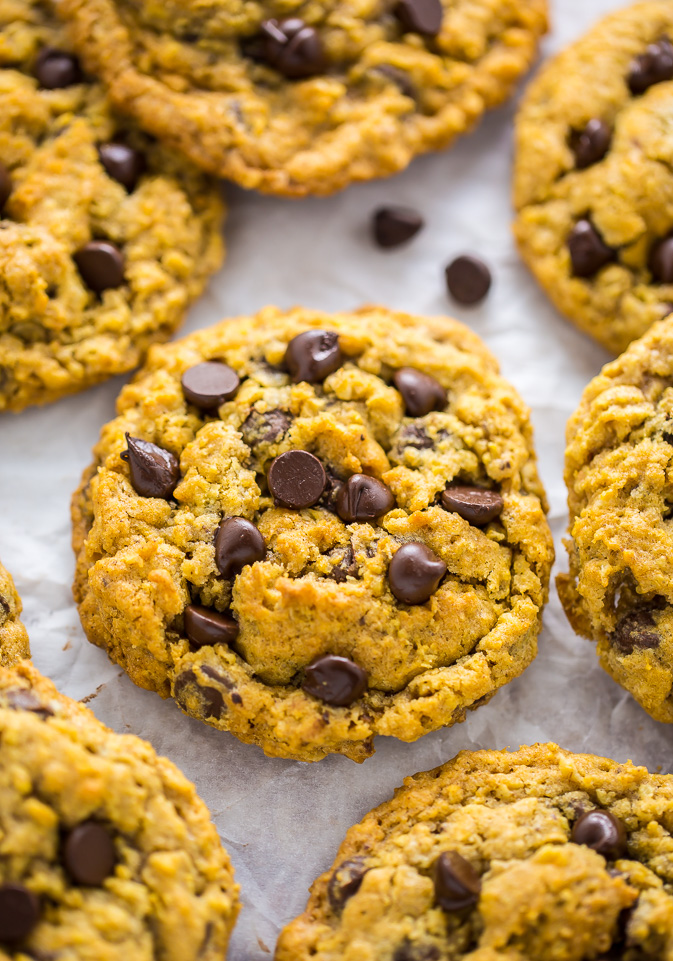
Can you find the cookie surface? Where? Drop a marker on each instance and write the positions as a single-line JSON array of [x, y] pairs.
[[105, 237], [297, 580], [593, 175], [521, 856], [13, 635], [107, 851], [299, 98]]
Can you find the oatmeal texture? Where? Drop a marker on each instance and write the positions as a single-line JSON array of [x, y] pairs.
[[13, 635]]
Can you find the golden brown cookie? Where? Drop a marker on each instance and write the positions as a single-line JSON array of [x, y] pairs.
[[13, 636]]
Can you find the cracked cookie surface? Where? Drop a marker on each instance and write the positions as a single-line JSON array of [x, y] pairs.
[[322, 631], [105, 237], [296, 98], [13, 635]]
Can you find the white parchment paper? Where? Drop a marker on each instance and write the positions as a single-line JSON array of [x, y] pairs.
[[282, 821]]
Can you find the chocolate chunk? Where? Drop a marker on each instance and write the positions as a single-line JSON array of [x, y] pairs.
[[420, 392], [414, 573], [155, 472], [209, 384], [468, 279], [122, 163], [55, 69], [661, 261], [89, 853], [590, 144], [205, 626], [601, 831], [345, 882], [296, 479], [292, 48], [335, 680], [653, 66], [5, 185], [409, 951], [187, 685], [101, 265], [457, 884], [392, 226], [476, 505], [588, 253], [420, 16], [266, 428], [237, 543], [23, 699], [635, 630], [347, 567], [313, 355], [364, 498], [19, 912]]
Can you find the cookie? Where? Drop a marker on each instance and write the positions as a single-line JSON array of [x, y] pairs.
[[13, 636], [524, 856], [105, 238], [593, 185], [299, 98], [618, 471], [106, 851], [309, 529]]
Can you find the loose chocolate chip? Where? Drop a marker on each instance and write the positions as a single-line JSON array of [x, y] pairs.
[[364, 498], [420, 16], [237, 543], [588, 253], [590, 144], [409, 951], [155, 472], [313, 355], [101, 265], [653, 66], [186, 686], [122, 163], [420, 392], [209, 384], [266, 428], [601, 831], [457, 884], [345, 882], [347, 567], [474, 504], [292, 48], [661, 261], [5, 185], [22, 699], [335, 680], [205, 626], [55, 69], [392, 226], [89, 853], [414, 573], [635, 630], [296, 479], [468, 279], [19, 912]]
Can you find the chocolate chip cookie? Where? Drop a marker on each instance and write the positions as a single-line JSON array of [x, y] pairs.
[[13, 636], [309, 529], [105, 849], [296, 98], [105, 236], [594, 175]]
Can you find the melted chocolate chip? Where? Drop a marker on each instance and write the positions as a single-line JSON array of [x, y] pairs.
[[392, 226], [413, 436], [414, 573], [601, 831], [400, 78], [313, 355], [345, 882], [266, 428], [347, 567], [588, 253], [101, 265], [296, 479], [292, 48], [19, 912], [457, 884], [653, 66], [186, 687], [122, 163], [5, 185], [661, 261], [330, 495], [89, 854], [155, 472], [420, 16], [409, 951], [204, 626], [23, 699], [209, 384], [590, 144], [468, 279], [55, 69], [237, 543], [635, 630], [335, 680], [364, 498], [476, 505], [420, 392]]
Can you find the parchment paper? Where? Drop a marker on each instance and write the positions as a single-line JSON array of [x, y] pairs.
[[282, 821]]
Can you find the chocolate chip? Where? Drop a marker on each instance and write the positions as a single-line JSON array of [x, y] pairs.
[[468, 279], [653, 66], [420, 392], [413, 436], [19, 912], [635, 630], [101, 265], [186, 685], [296, 479], [292, 48], [364, 498], [420, 16], [330, 495], [335, 680], [347, 567], [414, 573], [122, 163], [399, 77], [55, 69], [5, 185], [601, 831], [457, 884], [155, 472], [661, 261], [392, 226], [266, 428], [237, 543], [205, 626], [23, 699], [218, 676], [409, 951], [89, 853], [588, 253], [313, 355], [590, 144], [209, 384], [345, 882], [476, 505]]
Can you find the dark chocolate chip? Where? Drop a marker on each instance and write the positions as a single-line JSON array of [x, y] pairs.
[[392, 226], [211, 703], [209, 384], [661, 261], [101, 265], [19, 912], [5, 185], [330, 495], [266, 428], [588, 253], [313, 355], [601, 831], [415, 572], [653, 66], [55, 69], [296, 479], [412, 951], [476, 505], [23, 699], [335, 680], [89, 854], [468, 279], [218, 676], [237, 543], [347, 567], [345, 882], [635, 630], [236, 698], [292, 48], [205, 626], [399, 77], [420, 16], [123, 163], [457, 884], [590, 144], [413, 436], [420, 392], [364, 498], [155, 472]]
